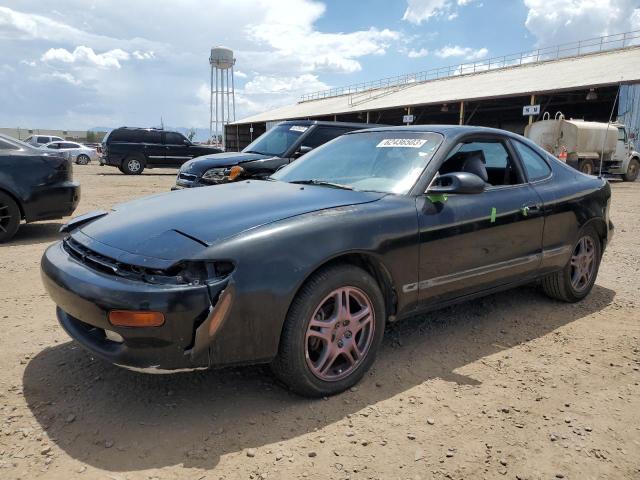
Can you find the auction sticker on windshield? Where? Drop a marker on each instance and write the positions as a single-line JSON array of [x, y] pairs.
[[401, 142], [298, 128]]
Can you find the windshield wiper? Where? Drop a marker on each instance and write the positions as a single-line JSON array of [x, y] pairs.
[[322, 182], [253, 151]]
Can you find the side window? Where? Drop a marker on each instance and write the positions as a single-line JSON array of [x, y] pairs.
[[622, 135], [7, 146], [490, 160], [69, 145], [173, 138], [151, 136], [321, 135], [43, 140], [53, 145], [535, 166]]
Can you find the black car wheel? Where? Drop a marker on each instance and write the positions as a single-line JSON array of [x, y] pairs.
[[632, 171], [586, 166], [133, 165], [9, 217], [576, 279], [332, 332], [83, 159]]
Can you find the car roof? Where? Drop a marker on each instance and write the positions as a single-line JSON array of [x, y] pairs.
[[331, 123], [445, 130], [149, 129]]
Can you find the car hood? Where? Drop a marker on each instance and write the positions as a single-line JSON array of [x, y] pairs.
[[210, 214], [199, 165]]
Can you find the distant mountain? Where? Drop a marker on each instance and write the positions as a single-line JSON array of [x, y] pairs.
[[202, 134]]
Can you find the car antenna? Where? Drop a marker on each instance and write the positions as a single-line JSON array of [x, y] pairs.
[[604, 138]]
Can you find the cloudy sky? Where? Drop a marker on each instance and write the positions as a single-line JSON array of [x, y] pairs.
[[76, 64]]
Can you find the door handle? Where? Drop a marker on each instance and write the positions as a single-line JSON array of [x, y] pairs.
[[533, 208]]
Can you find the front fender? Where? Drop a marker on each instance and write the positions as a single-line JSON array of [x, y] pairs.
[[274, 260]]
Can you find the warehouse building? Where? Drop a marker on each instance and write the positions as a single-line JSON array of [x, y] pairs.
[[590, 79]]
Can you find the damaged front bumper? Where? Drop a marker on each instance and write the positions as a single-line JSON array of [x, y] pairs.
[[84, 298]]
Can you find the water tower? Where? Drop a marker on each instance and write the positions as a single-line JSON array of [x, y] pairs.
[[223, 101]]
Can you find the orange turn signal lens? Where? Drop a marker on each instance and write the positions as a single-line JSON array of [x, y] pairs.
[[235, 172], [131, 318]]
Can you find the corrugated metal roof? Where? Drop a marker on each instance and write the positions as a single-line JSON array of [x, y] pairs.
[[566, 74]]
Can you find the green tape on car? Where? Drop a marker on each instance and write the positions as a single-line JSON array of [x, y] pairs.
[[493, 215], [438, 198]]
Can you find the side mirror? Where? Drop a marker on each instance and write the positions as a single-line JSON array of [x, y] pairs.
[[458, 182], [301, 151], [186, 142]]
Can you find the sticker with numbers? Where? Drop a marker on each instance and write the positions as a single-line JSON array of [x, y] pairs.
[[401, 142], [298, 128]]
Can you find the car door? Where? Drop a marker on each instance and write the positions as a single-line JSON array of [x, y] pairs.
[[474, 242], [151, 143], [177, 149]]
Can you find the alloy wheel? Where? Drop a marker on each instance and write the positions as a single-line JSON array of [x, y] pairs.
[[339, 334], [5, 217], [133, 165], [583, 263]]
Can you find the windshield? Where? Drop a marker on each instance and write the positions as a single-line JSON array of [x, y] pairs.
[[389, 161], [277, 140]]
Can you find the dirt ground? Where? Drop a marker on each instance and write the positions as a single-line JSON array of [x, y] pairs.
[[511, 386]]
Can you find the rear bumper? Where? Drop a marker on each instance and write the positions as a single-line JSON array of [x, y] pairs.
[[84, 298], [52, 201]]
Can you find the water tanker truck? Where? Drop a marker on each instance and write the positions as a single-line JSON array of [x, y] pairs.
[[583, 145]]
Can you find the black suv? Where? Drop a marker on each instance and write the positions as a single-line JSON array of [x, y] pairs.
[[133, 149], [276, 147]]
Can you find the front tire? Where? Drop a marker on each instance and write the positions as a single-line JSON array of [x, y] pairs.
[[332, 332], [586, 166], [576, 279], [9, 217], [133, 165], [632, 170]]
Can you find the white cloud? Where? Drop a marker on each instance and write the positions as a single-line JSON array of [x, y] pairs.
[[558, 21], [240, 74], [423, 52], [86, 56], [143, 55], [292, 36], [467, 52], [419, 11], [65, 77]]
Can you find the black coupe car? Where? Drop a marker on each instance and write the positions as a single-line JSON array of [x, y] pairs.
[[304, 269], [34, 185]]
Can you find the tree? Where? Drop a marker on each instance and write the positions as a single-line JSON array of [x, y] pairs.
[[191, 134]]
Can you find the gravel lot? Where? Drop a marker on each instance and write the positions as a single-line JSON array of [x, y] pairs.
[[511, 386]]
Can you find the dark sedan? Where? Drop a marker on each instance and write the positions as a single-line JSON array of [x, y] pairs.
[[34, 185], [273, 149], [304, 269]]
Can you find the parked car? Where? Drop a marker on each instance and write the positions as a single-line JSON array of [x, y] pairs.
[[39, 140], [303, 270], [34, 185], [76, 152], [134, 149], [275, 148]]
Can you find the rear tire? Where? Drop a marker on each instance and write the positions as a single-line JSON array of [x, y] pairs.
[[133, 165], [321, 352], [586, 166], [10, 217], [83, 160], [632, 171], [569, 284]]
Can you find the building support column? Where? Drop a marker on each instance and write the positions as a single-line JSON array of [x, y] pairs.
[[408, 113], [367, 117], [533, 102], [461, 120]]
